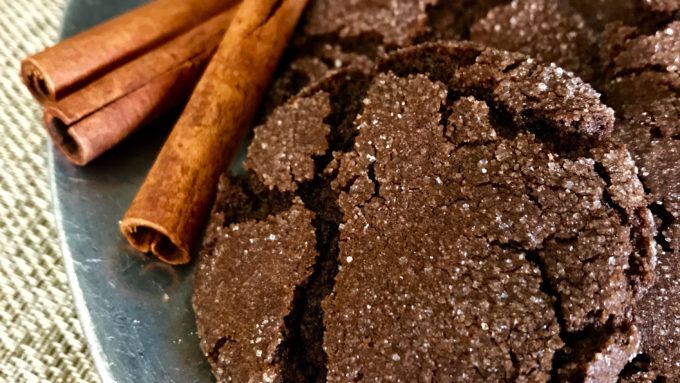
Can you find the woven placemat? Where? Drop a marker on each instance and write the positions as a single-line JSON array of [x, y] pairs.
[[40, 336]]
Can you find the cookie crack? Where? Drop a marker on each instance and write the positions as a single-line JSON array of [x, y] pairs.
[[441, 24], [515, 366], [607, 198], [250, 200], [304, 358], [214, 354], [303, 355], [640, 363], [371, 176], [635, 274], [580, 345], [636, 71], [667, 220], [366, 44], [583, 346], [548, 288]]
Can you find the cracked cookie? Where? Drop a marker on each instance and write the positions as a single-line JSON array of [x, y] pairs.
[[639, 59], [457, 214], [549, 30], [645, 65], [241, 302], [337, 34]]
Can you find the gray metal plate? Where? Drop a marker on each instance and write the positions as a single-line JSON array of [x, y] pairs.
[[136, 312]]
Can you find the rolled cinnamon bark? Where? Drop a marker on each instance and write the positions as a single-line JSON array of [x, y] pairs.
[[61, 69], [91, 120], [170, 208]]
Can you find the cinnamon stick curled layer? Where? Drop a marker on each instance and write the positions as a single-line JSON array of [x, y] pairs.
[[63, 68], [169, 210], [91, 120]]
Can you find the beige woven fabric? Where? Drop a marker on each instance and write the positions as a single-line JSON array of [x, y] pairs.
[[40, 336]]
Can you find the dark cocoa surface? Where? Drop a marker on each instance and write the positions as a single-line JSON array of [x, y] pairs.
[[636, 68], [643, 79], [476, 215], [449, 229], [664, 6], [549, 30], [245, 288], [337, 34]]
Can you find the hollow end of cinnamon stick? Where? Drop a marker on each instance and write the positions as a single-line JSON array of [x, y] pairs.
[[146, 236], [40, 85], [67, 143]]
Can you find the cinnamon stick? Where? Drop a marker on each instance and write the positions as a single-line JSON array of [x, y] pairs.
[[61, 69], [169, 210], [91, 120]]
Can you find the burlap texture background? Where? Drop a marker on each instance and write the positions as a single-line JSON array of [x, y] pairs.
[[40, 336]]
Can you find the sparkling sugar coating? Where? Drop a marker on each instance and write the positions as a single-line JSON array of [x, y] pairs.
[[660, 50], [548, 30], [662, 5], [459, 219], [474, 222], [291, 123], [648, 124], [528, 90], [396, 22], [421, 299], [337, 34], [243, 290]]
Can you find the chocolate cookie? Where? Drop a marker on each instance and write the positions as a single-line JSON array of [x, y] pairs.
[[644, 87], [448, 216], [599, 13], [244, 290], [566, 33], [549, 30], [337, 34], [472, 222], [396, 22], [640, 60]]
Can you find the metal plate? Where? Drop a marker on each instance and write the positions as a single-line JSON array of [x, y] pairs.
[[136, 312]]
